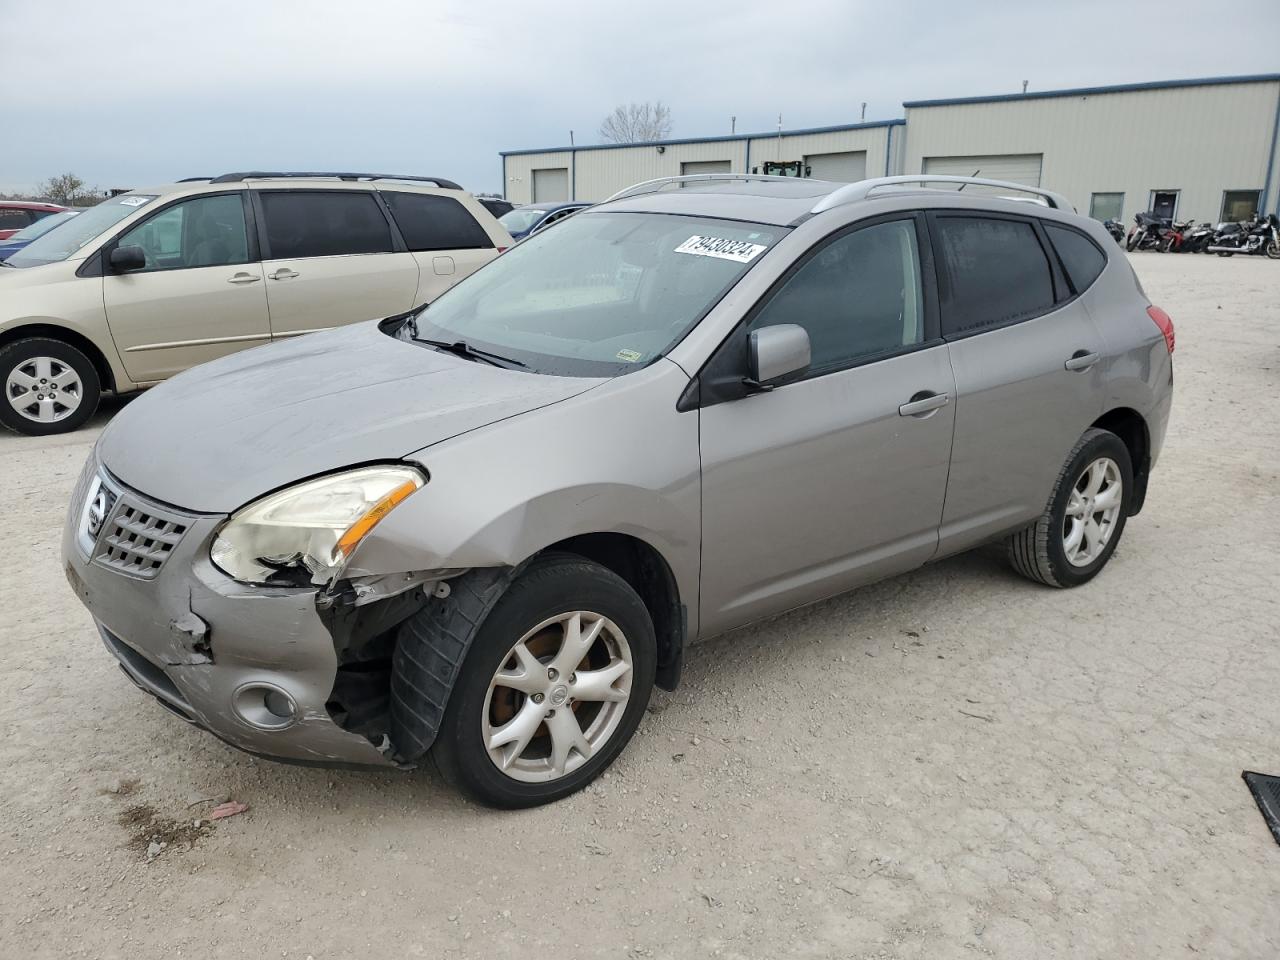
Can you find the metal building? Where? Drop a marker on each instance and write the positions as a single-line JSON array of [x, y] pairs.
[[1205, 149], [849, 152]]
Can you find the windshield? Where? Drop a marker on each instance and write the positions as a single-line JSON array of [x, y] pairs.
[[44, 225], [521, 219], [600, 295], [58, 245]]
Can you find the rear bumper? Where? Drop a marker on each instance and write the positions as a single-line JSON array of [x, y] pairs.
[[205, 645]]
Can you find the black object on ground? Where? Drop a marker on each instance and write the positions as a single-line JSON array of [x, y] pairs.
[[1266, 791]]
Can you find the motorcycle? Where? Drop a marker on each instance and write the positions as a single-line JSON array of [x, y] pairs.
[[1146, 232], [1116, 229], [1198, 238], [1174, 239], [1260, 236]]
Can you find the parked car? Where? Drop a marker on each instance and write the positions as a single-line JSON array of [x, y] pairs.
[[151, 282], [496, 206], [523, 221], [484, 530], [17, 215], [38, 229]]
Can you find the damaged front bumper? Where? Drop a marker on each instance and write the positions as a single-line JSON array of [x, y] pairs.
[[254, 666]]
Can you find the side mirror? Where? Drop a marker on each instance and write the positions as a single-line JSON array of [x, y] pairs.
[[774, 352], [124, 259]]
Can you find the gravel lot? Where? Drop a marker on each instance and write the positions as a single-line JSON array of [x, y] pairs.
[[955, 763]]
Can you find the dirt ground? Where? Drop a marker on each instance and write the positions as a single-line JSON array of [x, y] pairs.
[[955, 763]]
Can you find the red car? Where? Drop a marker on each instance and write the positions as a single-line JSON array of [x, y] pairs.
[[16, 214]]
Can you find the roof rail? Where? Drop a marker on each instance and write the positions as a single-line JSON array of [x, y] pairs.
[[193, 179], [862, 189], [440, 182], [653, 186]]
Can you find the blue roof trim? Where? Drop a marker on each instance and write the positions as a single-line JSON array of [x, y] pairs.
[[739, 136], [1087, 91]]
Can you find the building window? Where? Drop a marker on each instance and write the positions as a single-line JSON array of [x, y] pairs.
[[1240, 204], [1106, 206]]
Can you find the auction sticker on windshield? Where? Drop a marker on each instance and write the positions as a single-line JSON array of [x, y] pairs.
[[737, 250], [135, 201]]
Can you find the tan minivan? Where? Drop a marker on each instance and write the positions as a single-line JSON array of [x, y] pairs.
[[154, 281]]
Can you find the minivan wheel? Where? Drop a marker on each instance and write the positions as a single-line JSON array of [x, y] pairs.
[[554, 685], [49, 386], [1077, 533]]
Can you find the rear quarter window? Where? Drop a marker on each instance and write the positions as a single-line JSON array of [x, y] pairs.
[[1080, 256], [997, 273], [431, 222]]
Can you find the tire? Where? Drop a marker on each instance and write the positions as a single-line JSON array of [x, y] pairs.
[[1040, 551], [1273, 249], [28, 367], [1131, 243], [532, 611], [1222, 253]]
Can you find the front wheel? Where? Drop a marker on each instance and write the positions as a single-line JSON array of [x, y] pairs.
[[554, 685], [1273, 249], [1077, 533], [1131, 244], [49, 386]]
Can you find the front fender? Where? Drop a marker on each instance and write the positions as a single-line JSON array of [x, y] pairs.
[[618, 459]]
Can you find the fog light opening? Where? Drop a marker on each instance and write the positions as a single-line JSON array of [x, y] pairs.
[[264, 706]]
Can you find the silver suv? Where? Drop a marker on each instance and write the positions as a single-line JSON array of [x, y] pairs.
[[153, 281], [486, 529]]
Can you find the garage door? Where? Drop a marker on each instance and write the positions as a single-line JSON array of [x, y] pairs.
[[839, 167], [551, 185], [704, 166], [1015, 167]]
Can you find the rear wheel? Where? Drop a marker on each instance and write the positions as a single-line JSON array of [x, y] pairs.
[[554, 685], [49, 386], [1077, 533]]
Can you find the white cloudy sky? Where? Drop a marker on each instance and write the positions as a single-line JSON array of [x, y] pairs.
[[126, 94]]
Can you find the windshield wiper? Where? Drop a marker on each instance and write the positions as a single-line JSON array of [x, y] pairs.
[[463, 349]]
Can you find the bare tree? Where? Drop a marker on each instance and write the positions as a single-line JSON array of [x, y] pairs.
[[62, 188], [637, 123]]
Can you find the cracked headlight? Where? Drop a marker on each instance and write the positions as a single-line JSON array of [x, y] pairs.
[[306, 533]]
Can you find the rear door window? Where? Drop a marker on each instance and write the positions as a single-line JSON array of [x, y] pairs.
[[314, 223], [13, 218], [431, 222], [997, 272], [1080, 256]]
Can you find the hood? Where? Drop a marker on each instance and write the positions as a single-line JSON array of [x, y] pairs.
[[225, 433]]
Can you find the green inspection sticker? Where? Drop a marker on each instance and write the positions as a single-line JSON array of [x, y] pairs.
[[631, 356]]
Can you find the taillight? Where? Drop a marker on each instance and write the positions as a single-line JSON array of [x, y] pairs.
[[1164, 323]]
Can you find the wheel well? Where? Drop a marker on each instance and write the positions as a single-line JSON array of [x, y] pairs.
[[1130, 427], [648, 573], [79, 341]]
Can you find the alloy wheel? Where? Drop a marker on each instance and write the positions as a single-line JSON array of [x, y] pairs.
[[558, 696], [1092, 511], [44, 389]]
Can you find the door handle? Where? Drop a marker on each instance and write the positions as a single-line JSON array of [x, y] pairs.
[[1081, 360], [243, 277], [923, 403], [284, 273]]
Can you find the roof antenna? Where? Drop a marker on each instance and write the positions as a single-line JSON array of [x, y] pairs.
[[733, 125], [864, 112], [571, 138], [1024, 85]]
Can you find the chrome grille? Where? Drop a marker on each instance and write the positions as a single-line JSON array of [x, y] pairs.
[[137, 537]]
